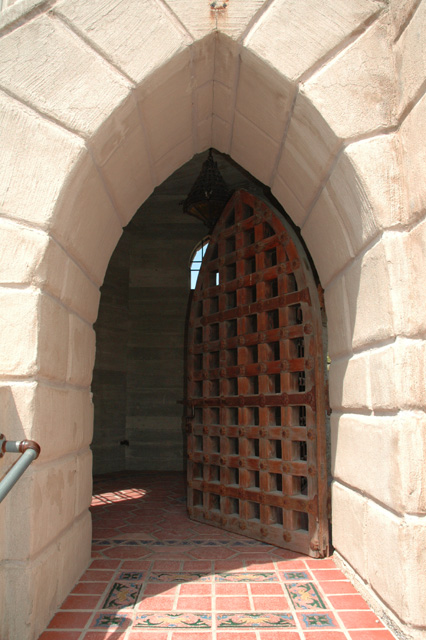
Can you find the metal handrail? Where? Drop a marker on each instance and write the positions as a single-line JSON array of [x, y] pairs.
[[29, 449]]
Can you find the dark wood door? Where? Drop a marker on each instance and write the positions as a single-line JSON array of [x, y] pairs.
[[256, 434]]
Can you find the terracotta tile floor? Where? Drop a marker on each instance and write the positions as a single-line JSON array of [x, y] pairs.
[[155, 575]]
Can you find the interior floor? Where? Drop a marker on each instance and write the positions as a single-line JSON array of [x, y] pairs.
[[156, 575]]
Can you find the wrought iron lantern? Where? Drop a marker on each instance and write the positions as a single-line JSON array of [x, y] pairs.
[[208, 195]]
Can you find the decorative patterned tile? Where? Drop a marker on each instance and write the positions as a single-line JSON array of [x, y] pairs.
[[175, 620], [247, 576], [317, 621], [122, 595], [255, 620], [110, 621], [131, 575], [179, 576], [304, 595], [296, 575]]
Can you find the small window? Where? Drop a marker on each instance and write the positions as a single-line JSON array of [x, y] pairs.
[[197, 259]]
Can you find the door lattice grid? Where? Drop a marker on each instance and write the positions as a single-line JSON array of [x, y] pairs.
[[255, 444]]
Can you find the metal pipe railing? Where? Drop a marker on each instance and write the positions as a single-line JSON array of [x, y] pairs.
[[29, 449]]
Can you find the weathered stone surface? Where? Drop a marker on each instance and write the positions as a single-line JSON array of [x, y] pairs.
[[324, 228], [44, 59], [411, 59], [370, 90], [21, 251], [18, 332], [336, 305], [312, 31], [402, 367], [81, 352], [406, 256], [350, 383], [413, 130], [53, 331], [29, 188], [253, 149], [85, 221], [369, 297], [124, 32], [309, 148], [349, 521], [263, 97], [394, 478]]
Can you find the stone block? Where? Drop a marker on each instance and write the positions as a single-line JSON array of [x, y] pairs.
[[324, 228], [86, 223], [18, 332], [377, 198], [349, 510], [53, 335], [81, 352], [21, 249], [263, 97], [223, 102], [350, 383], [204, 135], [84, 482], [203, 55], [29, 188], [254, 150], [400, 12], [313, 31], [226, 61], [406, 256], [204, 101], [174, 159], [396, 547], [309, 149], [60, 276], [338, 327], [412, 131], [221, 135], [48, 59], [128, 174], [411, 58], [362, 76], [368, 290], [282, 192], [402, 367], [379, 456], [124, 33]]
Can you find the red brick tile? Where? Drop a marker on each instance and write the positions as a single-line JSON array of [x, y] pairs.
[[104, 635], [271, 603], [167, 565], [197, 565], [360, 620], [152, 589], [135, 565], [156, 603], [236, 635], [291, 565], [279, 635], [252, 565], [60, 635], [195, 589], [91, 588], [228, 565], [94, 575], [69, 620], [325, 634], [186, 635], [326, 563], [194, 603], [231, 589], [337, 587], [328, 574], [105, 564], [150, 635], [348, 602], [126, 552], [233, 603], [80, 602], [372, 634], [265, 588]]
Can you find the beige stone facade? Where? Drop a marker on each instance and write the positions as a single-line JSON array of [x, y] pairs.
[[324, 102]]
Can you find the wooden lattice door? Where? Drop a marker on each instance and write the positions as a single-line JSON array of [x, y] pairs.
[[256, 435]]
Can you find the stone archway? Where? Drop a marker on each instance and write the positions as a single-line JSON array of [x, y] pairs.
[[307, 103]]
